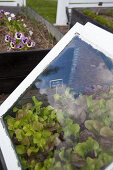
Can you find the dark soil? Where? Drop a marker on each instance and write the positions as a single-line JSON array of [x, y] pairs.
[[3, 97], [63, 29]]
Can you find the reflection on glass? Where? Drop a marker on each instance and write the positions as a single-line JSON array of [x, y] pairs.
[[64, 121]]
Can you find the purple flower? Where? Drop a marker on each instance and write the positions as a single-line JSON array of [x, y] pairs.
[[13, 44], [24, 40], [14, 18], [1, 16], [20, 46], [12, 39], [29, 43], [2, 11], [7, 38], [9, 15], [19, 35], [33, 43]]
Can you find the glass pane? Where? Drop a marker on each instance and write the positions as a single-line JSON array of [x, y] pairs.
[[64, 120]]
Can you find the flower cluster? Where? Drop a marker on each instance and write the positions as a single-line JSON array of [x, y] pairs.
[[19, 41], [16, 38], [6, 16]]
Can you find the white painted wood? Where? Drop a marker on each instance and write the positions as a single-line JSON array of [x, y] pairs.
[[99, 38], [13, 3], [8, 4], [90, 1], [110, 167], [89, 5], [8, 151], [61, 18]]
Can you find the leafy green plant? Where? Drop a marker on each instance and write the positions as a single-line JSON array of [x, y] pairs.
[[62, 136], [34, 131], [82, 149], [99, 18]]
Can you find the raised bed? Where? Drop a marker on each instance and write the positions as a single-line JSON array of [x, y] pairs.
[[15, 66], [78, 15]]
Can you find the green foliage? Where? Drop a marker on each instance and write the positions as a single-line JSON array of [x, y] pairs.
[[21, 149], [96, 164], [46, 8], [56, 138], [30, 134], [82, 149], [71, 128], [109, 12], [99, 18]]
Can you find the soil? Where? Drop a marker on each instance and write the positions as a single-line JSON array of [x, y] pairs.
[[3, 97], [63, 29], [41, 36]]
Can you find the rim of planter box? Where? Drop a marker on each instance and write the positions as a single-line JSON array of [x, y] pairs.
[[24, 51], [98, 38], [17, 55], [16, 65]]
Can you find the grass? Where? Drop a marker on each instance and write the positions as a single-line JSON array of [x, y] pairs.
[[46, 8], [99, 18]]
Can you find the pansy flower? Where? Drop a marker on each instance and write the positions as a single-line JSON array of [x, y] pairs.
[[2, 11], [24, 40], [9, 19], [18, 35], [7, 13], [1, 16], [20, 46], [33, 43], [12, 15], [13, 44], [14, 18], [7, 38], [29, 43]]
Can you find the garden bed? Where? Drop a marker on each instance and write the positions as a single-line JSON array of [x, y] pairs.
[[43, 39], [101, 17]]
